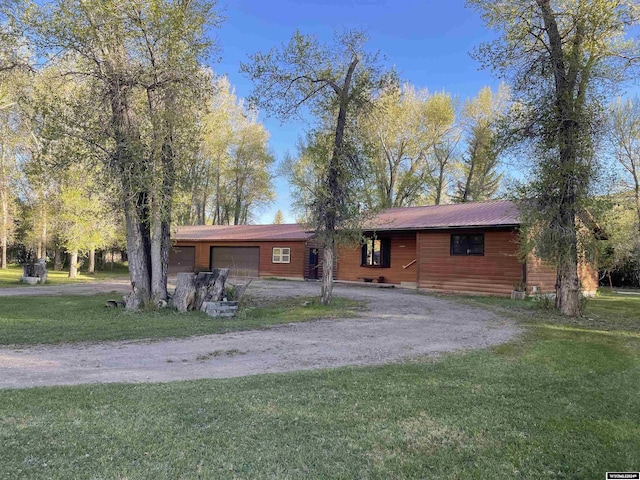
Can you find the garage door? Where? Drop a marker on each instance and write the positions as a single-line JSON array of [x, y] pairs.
[[241, 261], [182, 259]]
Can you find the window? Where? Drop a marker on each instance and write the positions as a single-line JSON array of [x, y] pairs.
[[376, 252], [467, 244], [281, 255]]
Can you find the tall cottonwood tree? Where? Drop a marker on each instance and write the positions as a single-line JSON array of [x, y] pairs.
[[408, 136], [624, 135], [11, 132], [481, 118], [562, 59], [231, 178], [141, 59], [338, 81]]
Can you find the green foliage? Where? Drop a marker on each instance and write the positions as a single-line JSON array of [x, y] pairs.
[[230, 179], [561, 59], [140, 66], [482, 118], [336, 83], [279, 218], [409, 137]]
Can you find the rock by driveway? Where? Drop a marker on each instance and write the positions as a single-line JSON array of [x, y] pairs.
[[396, 325]]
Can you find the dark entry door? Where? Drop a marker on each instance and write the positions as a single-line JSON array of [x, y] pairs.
[[241, 261], [313, 263]]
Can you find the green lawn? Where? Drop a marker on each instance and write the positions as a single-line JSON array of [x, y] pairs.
[[57, 319], [10, 277], [561, 402], [607, 311]]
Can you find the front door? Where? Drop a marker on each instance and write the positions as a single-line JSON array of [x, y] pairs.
[[313, 263]]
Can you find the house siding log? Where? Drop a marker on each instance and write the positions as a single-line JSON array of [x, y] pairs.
[[403, 252], [541, 276], [493, 273]]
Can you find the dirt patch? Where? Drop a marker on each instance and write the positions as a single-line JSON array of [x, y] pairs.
[[395, 325]]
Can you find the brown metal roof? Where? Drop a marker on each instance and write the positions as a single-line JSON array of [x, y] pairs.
[[281, 232], [495, 213], [498, 213]]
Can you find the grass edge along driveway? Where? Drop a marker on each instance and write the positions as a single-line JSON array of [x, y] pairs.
[[561, 402], [74, 318]]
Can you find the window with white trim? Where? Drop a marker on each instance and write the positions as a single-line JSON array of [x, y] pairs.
[[281, 255]]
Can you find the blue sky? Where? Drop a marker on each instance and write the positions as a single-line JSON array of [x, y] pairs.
[[428, 42]]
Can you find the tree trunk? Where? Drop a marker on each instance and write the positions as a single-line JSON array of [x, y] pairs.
[[185, 293], [193, 290], [3, 245], [637, 195], [158, 287], [3, 241], [57, 259], [4, 201], [73, 264], [568, 291], [327, 274], [209, 286], [335, 188], [569, 106], [440, 185], [43, 232], [137, 253], [5, 221], [92, 261]]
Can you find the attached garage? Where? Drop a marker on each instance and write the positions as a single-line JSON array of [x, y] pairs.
[[182, 259], [241, 261], [247, 250]]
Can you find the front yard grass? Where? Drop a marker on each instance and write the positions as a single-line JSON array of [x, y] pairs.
[[58, 319], [10, 277], [560, 402]]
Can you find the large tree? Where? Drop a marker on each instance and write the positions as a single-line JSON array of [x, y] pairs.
[[231, 178], [625, 142], [334, 82], [141, 61], [562, 59], [409, 137], [481, 119]]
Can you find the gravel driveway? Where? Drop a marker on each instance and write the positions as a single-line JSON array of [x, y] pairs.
[[396, 325]]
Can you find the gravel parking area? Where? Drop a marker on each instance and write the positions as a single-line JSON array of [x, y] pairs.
[[396, 325]]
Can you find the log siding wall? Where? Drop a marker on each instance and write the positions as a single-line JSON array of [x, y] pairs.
[[403, 252], [544, 277], [492, 273], [540, 275], [293, 269]]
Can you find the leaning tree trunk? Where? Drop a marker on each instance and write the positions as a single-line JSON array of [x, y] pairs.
[[73, 264], [335, 187]]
